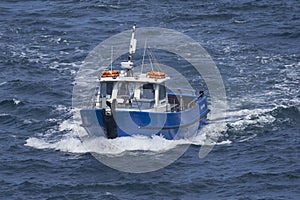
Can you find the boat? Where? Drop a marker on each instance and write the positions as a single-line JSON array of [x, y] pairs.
[[128, 104]]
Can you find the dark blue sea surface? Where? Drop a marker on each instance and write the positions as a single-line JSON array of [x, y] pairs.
[[256, 46]]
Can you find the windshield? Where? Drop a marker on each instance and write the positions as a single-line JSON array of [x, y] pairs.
[[106, 89], [147, 91], [125, 89]]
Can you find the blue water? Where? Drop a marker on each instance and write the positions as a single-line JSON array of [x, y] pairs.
[[256, 46]]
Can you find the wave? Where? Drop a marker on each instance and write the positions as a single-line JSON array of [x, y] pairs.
[[241, 119], [73, 137], [3, 83], [13, 101], [4, 114], [103, 145]]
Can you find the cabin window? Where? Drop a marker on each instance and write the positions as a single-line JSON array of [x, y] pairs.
[[148, 91], [106, 89], [162, 92], [125, 89]]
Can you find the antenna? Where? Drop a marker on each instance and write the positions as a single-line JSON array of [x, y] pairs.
[[152, 57], [151, 63], [111, 57], [144, 56]]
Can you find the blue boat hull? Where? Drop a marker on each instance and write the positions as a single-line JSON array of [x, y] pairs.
[[171, 125]]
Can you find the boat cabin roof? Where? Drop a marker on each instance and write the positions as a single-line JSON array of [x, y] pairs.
[[142, 78]]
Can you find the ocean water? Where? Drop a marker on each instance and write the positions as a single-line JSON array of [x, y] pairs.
[[256, 46]]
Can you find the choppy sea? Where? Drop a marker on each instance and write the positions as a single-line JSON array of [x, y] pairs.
[[256, 47]]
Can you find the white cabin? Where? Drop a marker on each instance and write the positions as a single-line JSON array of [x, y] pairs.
[[139, 92]]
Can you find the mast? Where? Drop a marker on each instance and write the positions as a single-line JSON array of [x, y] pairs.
[[132, 47]]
